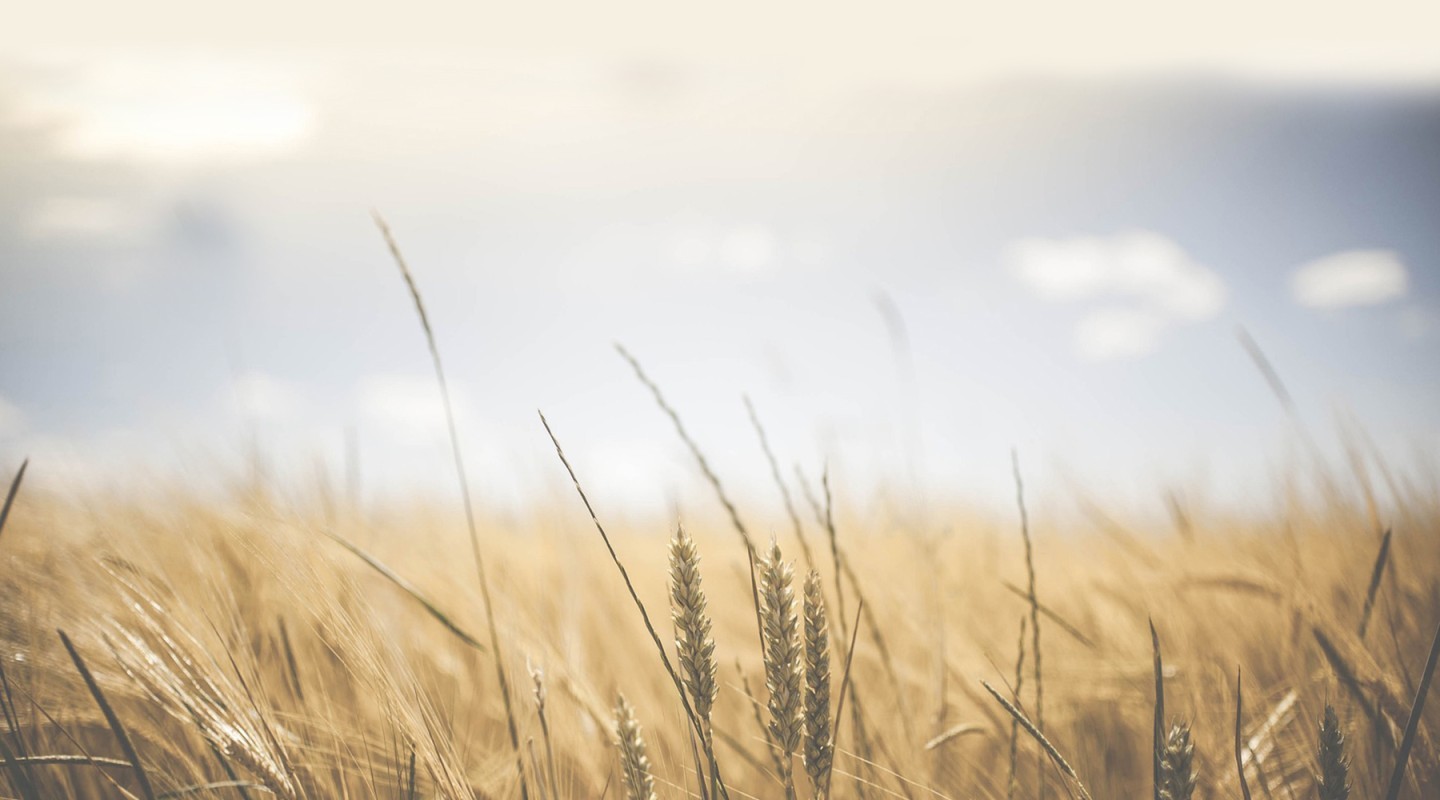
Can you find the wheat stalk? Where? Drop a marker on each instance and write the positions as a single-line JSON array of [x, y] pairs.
[[819, 747], [1034, 606], [501, 674]]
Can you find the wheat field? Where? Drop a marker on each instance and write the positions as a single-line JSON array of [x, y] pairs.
[[258, 646]]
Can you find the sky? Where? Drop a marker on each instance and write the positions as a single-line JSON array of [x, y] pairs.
[[914, 241]]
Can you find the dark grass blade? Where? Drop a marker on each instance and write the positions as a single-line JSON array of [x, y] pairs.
[[1378, 723], [410, 589], [1034, 598], [1413, 724], [55, 723], [1159, 731], [1374, 589], [18, 773], [844, 685], [1239, 762], [14, 490], [410, 777], [110, 717]]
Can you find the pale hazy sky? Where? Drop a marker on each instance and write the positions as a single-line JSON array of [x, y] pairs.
[[1070, 213]]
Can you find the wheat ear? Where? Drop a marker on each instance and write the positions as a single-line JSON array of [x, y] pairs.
[[694, 645], [819, 748], [634, 764], [1177, 764], [1334, 765], [781, 630], [537, 677]]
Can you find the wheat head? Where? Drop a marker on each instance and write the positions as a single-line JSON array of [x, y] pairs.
[[1334, 765], [694, 645], [634, 764], [1177, 764], [819, 745]]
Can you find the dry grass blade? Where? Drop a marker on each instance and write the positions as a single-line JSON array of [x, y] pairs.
[[141, 777], [74, 760], [501, 676], [1412, 725], [1374, 588], [1262, 363], [630, 587], [1239, 760], [1034, 604], [1010, 780], [780, 483], [690, 443], [10, 495], [239, 786], [408, 588], [953, 733], [1053, 616], [759, 715], [1059, 760]]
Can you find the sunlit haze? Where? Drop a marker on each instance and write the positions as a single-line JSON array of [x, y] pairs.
[[912, 245]]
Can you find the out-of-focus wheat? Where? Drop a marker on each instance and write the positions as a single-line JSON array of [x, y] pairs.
[[634, 763]]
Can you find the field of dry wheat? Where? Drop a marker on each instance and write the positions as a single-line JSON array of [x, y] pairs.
[[255, 647]]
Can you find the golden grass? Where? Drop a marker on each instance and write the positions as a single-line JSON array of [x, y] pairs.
[[246, 653]]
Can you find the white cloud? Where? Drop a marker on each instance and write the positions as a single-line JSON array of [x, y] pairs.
[[261, 396], [1115, 333], [1351, 278], [12, 419], [404, 405], [749, 249], [178, 108], [88, 218], [1162, 285]]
